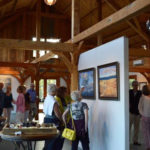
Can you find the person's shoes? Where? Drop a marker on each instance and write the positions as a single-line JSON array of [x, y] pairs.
[[136, 143]]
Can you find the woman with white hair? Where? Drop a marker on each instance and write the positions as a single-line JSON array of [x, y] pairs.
[[52, 115], [80, 117]]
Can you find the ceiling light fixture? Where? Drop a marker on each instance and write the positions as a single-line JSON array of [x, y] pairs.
[[50, 2]]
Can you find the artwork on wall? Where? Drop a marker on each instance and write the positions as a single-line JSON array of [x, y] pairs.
[[6, 81], [87, 80], [141, 84], [108, 81]]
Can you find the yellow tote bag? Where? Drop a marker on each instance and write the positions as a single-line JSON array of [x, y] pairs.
[[70, 134]]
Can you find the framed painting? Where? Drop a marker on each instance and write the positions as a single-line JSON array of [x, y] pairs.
[[87, 82], [141, 84], [108, 81]]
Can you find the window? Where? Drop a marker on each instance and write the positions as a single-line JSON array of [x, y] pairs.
[[41, 89], [51, 81]]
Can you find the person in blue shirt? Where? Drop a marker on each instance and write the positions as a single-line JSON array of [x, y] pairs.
[[33, 105]]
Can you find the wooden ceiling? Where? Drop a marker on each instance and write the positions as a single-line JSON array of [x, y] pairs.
[[91, 12], [18, 17]]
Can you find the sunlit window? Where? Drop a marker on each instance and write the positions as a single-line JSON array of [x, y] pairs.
[[42, 52], [41, 89], [53, 40]]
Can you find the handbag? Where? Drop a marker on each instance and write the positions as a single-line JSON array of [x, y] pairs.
[[69, 134]]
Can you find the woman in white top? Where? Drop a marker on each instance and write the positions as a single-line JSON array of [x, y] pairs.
[[52, 115], [144, 109]]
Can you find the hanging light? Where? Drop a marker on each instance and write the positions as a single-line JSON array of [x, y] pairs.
[[50, 2]]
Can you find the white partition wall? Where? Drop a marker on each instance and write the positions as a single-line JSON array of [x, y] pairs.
[[109, 120]]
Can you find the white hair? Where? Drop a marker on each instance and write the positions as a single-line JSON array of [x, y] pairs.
[[75, 95], [51, 88]]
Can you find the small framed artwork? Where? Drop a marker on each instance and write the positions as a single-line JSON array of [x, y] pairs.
[[141, 84], [87, 82], [108, 81]]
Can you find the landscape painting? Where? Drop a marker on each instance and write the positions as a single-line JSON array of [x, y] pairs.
[[87, 83], [108, 79]]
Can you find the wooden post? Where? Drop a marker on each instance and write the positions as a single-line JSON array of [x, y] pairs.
[[99, 39], [99, 36], [74, 78], [45, 87], [37, 93], [38, 23], [75, 30]]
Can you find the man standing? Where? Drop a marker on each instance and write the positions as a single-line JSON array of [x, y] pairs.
[[1, 98], [134, 97], [33, 106]]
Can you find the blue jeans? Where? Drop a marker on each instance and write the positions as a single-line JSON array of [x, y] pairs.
[[56, 143]]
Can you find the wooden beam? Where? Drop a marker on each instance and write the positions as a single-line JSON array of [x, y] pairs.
[[139, 52], [99, 36], [30, 45], [142, 70], [53, 16], [31, 65], [142, 34], [14, 5], [33, 4], [3, 2], [125, 13], [44, 58], [75, 26], [38, 24], [8, 71], [38, 20], [9, 20], [56, 74]]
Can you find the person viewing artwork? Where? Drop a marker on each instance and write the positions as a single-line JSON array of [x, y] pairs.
[[33, 106], [144, 109], [62, 98], [134, 97], [53, 115], [8, 99], [27, 105], [1, 98], [20, 105], [80, 117]]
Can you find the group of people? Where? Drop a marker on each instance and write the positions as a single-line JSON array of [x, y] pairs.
[[26, 108], [139, 105], [57, 108]]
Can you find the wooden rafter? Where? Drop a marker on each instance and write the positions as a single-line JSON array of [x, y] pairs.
[[3, 2], [137, 30], [9, 20], [33, 3], [125, 13], [30, 45], [139, 52], [142, 70], [30, 65], [44, 58], [14, 5]]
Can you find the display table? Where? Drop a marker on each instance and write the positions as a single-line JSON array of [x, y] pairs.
[[29, 138]]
